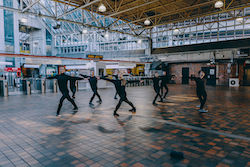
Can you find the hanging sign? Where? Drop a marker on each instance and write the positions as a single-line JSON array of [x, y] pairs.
[[96, 57]]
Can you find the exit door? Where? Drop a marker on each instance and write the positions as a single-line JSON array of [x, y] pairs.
[[246, 78], [210, 75], [185, 75]]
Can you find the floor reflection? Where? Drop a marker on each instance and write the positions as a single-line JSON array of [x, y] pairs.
[[31, 134]]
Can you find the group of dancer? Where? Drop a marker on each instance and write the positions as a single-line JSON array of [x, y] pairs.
[[159, 85]]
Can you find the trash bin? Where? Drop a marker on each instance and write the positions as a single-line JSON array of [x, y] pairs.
[[26, 86]]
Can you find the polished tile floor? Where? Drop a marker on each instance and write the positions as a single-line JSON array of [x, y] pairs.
[[31, 135]]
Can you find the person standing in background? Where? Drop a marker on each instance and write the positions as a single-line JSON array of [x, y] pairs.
[[200, 90], [72, 85], [63, 87], [93, 84]]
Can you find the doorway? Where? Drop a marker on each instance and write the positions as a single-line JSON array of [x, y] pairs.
[[246, 78], [210, 75], [185, 75]]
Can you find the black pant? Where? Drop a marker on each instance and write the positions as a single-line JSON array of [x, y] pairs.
[[125, 99], [166, 87], [73, 90], [115, 95], [65, 96], [97, 94], [202, 95], [157, 91]]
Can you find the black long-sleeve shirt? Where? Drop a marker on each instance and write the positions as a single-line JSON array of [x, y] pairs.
[[72, 82], [92, 81], [121, 89], [200, 84], [165, 79], [63, 81], [156, 82], [115, 76]]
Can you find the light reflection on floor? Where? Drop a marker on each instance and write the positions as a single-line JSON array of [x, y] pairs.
[[31, 134]]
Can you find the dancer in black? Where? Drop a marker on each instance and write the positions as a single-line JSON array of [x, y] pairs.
[[93, 84], [200, 89], [165, 80], [72, 85], [63, 87], [116, 77], [120, 85], [156, 84]]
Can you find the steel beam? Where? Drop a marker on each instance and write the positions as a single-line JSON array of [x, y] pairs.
[[70, 4], [78, 8], [129, 9], [63, 20], [171, 13], [199, 15], [30, 5]]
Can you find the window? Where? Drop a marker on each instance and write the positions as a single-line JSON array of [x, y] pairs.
[[8, 24]]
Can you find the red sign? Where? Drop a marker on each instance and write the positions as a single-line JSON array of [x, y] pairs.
[[12, 69]]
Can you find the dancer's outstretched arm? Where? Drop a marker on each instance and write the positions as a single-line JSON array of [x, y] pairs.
[[107, 79], [76, 78], [193, 77], [85, 76], [54, 77]]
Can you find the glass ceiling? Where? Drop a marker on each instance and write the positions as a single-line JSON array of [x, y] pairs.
[[48, 7]]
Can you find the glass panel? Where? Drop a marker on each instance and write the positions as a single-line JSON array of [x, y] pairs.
[[8, 25]]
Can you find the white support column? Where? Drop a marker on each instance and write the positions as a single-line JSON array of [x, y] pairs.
[[43, 36], [38, 41], [2, 45], [53, 48], [16, 29]]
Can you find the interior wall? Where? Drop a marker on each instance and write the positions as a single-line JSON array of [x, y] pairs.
[[222, 74], [226, 62]]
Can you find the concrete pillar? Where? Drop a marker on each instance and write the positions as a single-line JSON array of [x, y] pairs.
[[16, 29], [38, 42], [53, 48], [148, 50]]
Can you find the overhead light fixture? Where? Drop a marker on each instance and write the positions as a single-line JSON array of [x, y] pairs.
[[102, 8], [85, 31], [24, 20], [176, 31], [218, 4], [239, 19], [139, 41], [106, 35], [147, 22]]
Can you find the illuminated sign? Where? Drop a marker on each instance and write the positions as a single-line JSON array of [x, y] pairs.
[[12, 69], [95, 57]]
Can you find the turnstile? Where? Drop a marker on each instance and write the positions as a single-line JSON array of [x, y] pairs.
[[26, 86], [55, 86], [43, 85], [4, 88]]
